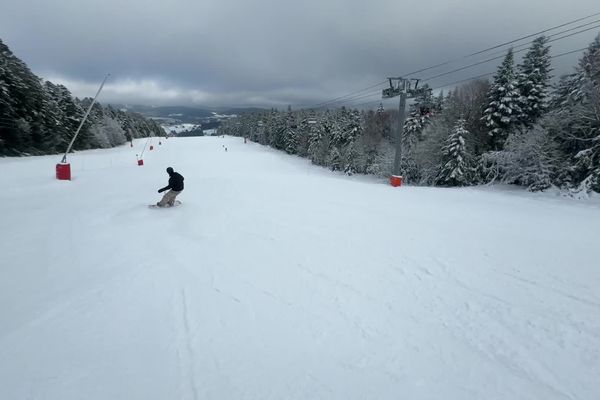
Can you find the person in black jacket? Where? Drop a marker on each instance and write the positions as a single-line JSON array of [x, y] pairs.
[[175, 185]]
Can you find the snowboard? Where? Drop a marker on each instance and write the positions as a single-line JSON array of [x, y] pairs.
[[177, 203]]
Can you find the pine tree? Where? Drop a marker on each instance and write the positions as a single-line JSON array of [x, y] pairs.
[[576, 121], [533, 81], [352, 153], [290, 135], [291, 141], [318, 141], [22, 100], [455, 170], [501, 116], [419, 117]]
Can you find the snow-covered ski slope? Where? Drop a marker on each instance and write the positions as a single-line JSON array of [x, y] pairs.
[[276, 279]]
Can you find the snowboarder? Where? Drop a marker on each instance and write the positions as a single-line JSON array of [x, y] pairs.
[[175, 185]]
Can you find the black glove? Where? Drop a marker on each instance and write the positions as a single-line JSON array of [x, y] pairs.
[[160, 190]]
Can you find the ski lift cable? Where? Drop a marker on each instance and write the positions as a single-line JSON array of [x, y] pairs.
[[350, 99], [488, 60], [502, 56], [492, 73], [478, 76], [318, 105], [510, 42], [453, 83], [322, 104], [449, 84], [356, 97], [549, 36], [540, 33]]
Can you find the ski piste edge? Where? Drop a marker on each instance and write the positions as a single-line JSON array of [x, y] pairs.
[[177, 203]]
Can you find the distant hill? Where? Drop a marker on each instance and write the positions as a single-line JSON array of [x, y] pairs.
[[181, 113], [239, 110], [185, 114]]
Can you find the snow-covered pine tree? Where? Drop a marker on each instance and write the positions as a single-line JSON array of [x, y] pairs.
[[419, 117], [501, 116], [290, 136], [319, 139], [335, 161], [291, 141], [455, 170], [352, 153], [304, 128], [576, 121], [532, 82], [529, 159], [420, 113], [22, 99], [277, 130]]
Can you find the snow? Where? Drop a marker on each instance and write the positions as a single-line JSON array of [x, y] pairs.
[[179, 128], [277, 279]]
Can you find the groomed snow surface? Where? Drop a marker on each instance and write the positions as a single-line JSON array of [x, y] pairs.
[[276, 279]]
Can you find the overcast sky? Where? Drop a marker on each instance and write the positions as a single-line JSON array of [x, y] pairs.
[[267, 52]]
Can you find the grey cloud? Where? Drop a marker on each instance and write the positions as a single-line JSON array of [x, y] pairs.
[[264, 52]]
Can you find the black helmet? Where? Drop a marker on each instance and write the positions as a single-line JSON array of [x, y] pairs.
[[169, 170]]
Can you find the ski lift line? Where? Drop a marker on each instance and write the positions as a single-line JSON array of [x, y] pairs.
[[351, 103], [369, 102], [569, 52], [511, 42], [463, 80], [492, 73], [358, 97], [480, 76], [378, 94], [377, 100], [335, 100], [352, 93], [478, 52], [537, 33], [502, 56], [550, 36]]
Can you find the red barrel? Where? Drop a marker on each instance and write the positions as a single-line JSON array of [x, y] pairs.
[[63, 171], [140, 162], [396, 180]]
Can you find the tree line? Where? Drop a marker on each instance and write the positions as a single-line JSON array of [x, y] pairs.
[[40, 117], [517, 129]]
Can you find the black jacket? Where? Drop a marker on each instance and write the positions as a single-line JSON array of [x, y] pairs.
[[175, 183]]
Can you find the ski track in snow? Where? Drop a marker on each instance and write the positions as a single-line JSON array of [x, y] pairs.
[[278, 279], [190, 356]]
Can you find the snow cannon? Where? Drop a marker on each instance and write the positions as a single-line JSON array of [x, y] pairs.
[[63, 171], [396, 180]]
